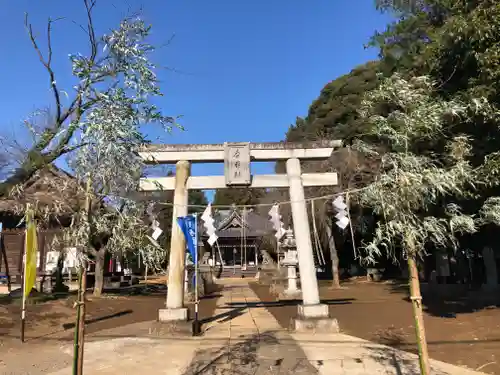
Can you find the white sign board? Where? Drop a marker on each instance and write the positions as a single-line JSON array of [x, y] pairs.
[[70, 259], [155, 224], [156, 234], [51, 260], [237, 164]]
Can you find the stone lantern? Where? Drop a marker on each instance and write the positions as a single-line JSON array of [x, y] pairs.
[[290, 261]]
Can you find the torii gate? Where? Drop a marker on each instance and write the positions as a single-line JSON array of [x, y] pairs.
[[237, 158]]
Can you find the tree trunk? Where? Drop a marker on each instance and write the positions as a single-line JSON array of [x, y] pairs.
[[416, 300], [99, 272], [333, 255], [59, 286]]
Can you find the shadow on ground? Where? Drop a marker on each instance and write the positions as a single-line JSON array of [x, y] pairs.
[[107, 316], [397, 362], [448, 300], [246, 358], [265, 353], [138, 289], [99, 319], [236, 309], [294, 302]]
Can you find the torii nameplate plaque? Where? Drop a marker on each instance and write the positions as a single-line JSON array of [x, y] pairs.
[[237, 164]]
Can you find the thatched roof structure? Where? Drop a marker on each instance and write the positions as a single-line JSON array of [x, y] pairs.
[[50, 190]]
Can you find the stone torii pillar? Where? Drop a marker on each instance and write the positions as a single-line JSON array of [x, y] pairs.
[[309, 284], [175, 309], [312, 315], [237, 158]]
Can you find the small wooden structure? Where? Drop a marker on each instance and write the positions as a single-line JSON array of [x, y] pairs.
[[52, 191], [240, 235]]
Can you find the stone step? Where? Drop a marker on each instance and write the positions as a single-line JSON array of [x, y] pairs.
[[238, 273]]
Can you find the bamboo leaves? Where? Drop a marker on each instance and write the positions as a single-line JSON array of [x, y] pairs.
[[413, 184], [110, 137]]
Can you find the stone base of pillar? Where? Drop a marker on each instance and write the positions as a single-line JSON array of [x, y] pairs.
[[173, 315], [313, 311], [315, 318], [320, 325]]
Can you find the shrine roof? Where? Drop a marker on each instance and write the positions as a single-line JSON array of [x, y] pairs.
[[230, 224]]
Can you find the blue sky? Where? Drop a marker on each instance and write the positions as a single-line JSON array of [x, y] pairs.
[[244, 69]]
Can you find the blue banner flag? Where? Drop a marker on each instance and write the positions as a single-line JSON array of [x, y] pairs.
[[188, 227]]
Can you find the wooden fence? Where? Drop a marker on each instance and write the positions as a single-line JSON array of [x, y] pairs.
[[13, 240]]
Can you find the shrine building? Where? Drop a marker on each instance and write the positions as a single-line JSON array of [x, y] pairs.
[[240, 236]]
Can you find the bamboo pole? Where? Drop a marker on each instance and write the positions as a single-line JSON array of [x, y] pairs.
[[81, 320], [23, 308], [416, 300], [76, 342], [82, 287]]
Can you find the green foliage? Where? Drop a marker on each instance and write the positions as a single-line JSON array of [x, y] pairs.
[[411, 185], [197, 198], [437, 134], [107, 158], [333, 115], [400, 6], [490, 212], [111, 133], [455, 42], [238, 196]]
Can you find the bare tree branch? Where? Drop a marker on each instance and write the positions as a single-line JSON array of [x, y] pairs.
[[70, 149], [89, 5], [63, 141], [100, 76], [167, 43], [47, 63], [80, 26]]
